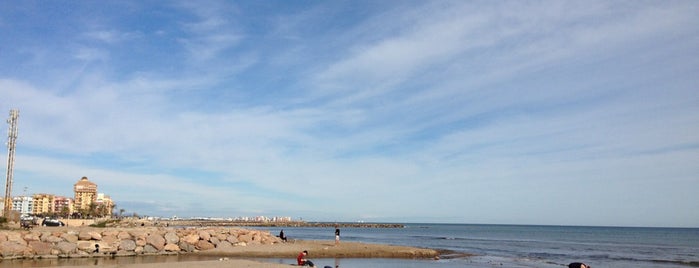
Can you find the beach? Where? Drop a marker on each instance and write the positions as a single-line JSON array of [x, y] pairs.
[[73, 246]]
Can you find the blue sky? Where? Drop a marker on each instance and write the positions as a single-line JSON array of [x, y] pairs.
[[506, 112]]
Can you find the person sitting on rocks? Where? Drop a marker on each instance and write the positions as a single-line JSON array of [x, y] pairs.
[[302, 261], [282, 235]]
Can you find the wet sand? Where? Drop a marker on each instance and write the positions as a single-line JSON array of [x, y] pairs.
[[236, 256]]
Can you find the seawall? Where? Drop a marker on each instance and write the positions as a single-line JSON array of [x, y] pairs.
[[71, 242]]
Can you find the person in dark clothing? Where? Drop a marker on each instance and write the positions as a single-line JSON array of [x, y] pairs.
[[578, 265], [337, 235], [282, 235]]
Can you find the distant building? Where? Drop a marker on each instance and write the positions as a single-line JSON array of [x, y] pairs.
[[63, 205], [85, 194], [43, 204], [23, 204], [104, 204]]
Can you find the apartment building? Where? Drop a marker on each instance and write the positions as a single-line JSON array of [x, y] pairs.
[[85, 194], [23, 204], [43, 204]]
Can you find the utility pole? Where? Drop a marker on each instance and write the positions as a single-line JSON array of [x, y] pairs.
[[11, 143]]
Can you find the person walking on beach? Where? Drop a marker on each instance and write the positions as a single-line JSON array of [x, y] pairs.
[[337, 235], [302, 261]]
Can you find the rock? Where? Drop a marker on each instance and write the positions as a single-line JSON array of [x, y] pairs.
[[11, 249], [172, 248], [95, 236], [246, 237], [124, 235], [138, 250], [191, 239], [32, 237], [204, 235], [156, 241], [141, 242], [16, 238], [150, 249], [41, 248], [66, 247], [84, 235], [232, 239], [204, 245], [127, 245], [86, 246], [224, 245], [110, 239], [187, 247], [172, 238], [70, 237]]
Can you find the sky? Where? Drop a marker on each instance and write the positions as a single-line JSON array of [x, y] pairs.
[[496, 112]]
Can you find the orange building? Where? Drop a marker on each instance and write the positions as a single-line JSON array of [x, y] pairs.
[[85, 194]]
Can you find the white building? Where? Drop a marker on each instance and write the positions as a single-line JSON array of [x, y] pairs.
[[23, 204]]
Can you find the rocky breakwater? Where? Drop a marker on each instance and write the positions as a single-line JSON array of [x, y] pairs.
[[46, 242]]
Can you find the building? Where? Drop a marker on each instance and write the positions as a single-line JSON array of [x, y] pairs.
[[105, 205], [63, 205], [85, 195], [23, 204], [43, 204]]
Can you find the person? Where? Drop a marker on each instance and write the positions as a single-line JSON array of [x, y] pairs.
[[578, 265], [282, 236], [302, 261], [337, 235]]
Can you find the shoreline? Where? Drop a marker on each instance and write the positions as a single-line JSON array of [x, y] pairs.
[[232, 245]]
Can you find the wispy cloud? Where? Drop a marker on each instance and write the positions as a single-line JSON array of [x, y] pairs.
[[501, 107]]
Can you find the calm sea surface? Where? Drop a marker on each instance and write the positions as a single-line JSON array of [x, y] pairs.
[[494, 246], [522, 245]]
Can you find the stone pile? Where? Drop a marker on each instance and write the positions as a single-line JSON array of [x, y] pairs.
[[91, 242]]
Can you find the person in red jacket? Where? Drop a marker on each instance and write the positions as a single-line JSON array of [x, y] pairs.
[[302, 261]]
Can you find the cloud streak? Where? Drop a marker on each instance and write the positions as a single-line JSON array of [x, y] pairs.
[[391, 112]]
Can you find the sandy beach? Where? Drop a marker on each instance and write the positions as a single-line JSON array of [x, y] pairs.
[[238, 256]]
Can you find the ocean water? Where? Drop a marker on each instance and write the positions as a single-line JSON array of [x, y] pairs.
[[506, 246], [520, 245]]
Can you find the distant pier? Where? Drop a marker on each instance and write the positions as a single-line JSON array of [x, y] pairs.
[[222, 223]]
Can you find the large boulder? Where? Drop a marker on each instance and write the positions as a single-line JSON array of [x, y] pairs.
[[70, 237], [124, 235], [172, 248], [16, 237], [95, 235], [86, 246], [84, 235], [11, 249], [204, 245], [157, 241], [172, 238], [40, 248], [127, 245], [66, 247], [149, 249], [191, 239], [204, 235], [187, 247]]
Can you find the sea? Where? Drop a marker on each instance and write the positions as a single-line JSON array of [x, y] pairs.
[[479, 246], [486, 245]]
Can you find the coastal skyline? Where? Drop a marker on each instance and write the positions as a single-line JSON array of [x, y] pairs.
[[547, 112]]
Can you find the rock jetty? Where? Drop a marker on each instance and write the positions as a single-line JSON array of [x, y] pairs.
[[66, 242]]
